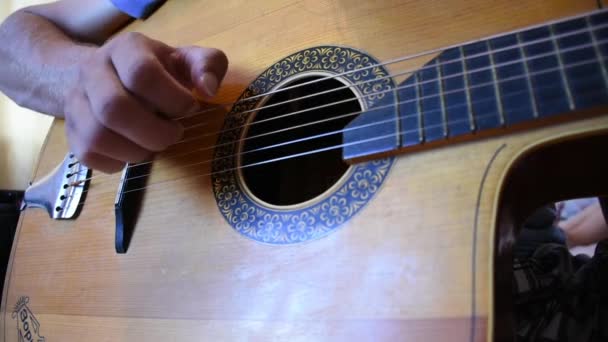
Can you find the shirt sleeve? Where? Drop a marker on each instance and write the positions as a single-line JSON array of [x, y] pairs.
[[138, 8]]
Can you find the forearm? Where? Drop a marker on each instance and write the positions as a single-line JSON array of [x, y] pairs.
[[39, 62], [586, 227]]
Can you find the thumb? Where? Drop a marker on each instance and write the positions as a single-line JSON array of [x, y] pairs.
[[206, 68]]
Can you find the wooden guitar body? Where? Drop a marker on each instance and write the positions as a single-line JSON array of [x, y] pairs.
[[418, 260]]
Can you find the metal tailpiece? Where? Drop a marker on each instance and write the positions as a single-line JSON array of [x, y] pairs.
[[62, 191]]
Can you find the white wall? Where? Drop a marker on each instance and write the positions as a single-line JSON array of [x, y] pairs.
[[22, 132]]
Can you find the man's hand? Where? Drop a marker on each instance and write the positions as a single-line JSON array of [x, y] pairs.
[[120, 108], [118, 99]]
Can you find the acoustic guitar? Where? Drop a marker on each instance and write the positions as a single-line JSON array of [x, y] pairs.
[[362, 176]]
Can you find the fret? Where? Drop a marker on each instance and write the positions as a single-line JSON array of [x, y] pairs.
[[512, 80], [430, 102], [528, 78], [586, 83], [596, 49], [467, 92], [599, 35], [501, 114], [483, 96], [549, 87], [561, 67], [505, 80], [409, 111], [380, 119], [444, 118], [457, 106]]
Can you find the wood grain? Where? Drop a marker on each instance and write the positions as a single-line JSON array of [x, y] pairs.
[[402, 269]]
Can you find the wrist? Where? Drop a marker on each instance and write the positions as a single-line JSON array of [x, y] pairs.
[[40, 67], [77, 57]]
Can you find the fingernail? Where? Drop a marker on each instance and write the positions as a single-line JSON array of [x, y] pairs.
[[209, 82]]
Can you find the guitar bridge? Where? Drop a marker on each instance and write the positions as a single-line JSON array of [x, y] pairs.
[[128, 202]]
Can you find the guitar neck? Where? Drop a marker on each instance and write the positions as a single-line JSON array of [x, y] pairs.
[[520, 79]]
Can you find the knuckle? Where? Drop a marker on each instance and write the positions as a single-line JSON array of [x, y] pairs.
[[83, 154], [133, 37], [111, 109], [86, 157], [93, 139], [114, 168], [140, 73], [151, 141], [140, 157], [159, 145]]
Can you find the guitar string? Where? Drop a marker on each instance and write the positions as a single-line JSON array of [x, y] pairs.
[[406, 86], [377, 108], [391, 135], [588, 29], [408, 57], [385, 136], [415, 84], [350, 114], [349, 128], [459, 60]]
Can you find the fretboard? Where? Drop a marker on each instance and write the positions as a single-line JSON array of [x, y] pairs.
[[493, 84]]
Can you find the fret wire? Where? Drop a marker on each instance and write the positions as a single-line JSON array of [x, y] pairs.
[[597, 50], [528, 78], [419, 109], [501, 114], [561, 67], [444, 115], [417, 86], [467, 92]]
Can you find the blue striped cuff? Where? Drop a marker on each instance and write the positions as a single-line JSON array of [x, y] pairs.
[[138, 8]]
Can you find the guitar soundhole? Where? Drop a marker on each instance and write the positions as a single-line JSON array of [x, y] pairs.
[[301, 176]]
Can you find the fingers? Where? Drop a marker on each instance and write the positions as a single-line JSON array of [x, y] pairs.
[[138, 63], [120, 112], [101, 163], [95, 145], [166, 77], [113, 115], [205, 68]]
